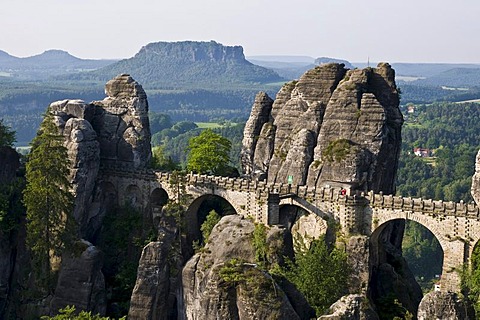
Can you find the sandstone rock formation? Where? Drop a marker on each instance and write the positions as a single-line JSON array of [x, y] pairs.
[[333, 126], [443, 305], [74, 117], [150, 297], [81, 282], [390, 276], [112, 133], [338, 127], [121, 122], [351, 307], [223, 281], [476, 180]]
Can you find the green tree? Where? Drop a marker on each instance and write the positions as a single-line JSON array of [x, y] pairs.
[[471, 280], [209, 153], [207, 226], [320, 273], [69, 313], [7, 136], [162, 161], [48, 200]]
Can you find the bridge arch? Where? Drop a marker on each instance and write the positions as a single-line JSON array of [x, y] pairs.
[[454, 249], [323, 213], [158, 199], [133, 196], [197, 213], [381, 218], [109, 195], [304, 225]]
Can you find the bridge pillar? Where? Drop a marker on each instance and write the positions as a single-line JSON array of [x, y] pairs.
[[454, 256], [273, 208]]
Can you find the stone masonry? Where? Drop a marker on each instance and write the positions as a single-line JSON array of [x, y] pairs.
[[455, 225]]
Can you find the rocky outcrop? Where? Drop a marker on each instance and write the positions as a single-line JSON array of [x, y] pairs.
[[351, 307], [223, 282], [81, 282], [445, 306], [334, 126], [74, 117], [260, 116], [341, 128], [112, 133], [150, 297], [121, 122], [476, 180]]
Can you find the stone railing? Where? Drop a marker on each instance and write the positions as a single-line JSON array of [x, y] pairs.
[[311, 194], [429, 206]]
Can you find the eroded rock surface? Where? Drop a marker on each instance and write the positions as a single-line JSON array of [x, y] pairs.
[[81, 282], [443, 305], [223, 282], [351, 307], [150, 297], [113, 133], [333, 126], [121, 122]]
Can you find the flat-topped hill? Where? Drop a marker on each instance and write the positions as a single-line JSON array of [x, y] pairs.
[[189, 64]]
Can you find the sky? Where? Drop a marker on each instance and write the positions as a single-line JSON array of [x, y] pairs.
[[355, 30]]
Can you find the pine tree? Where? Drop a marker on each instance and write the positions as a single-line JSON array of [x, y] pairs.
[[7, 136], [48, 200]]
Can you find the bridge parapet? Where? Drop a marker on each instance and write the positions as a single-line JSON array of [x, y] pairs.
[[429, 206]]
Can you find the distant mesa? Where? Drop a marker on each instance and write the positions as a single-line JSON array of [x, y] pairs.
[[189, 63]]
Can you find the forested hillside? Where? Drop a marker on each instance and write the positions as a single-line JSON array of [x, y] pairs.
[[188, 64], [451, 132], [50, 63]]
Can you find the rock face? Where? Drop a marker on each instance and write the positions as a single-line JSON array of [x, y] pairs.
[[333, 126], [476, 180], [223, 281], [81, 282], [390, 276], [150, 297], [351, 307], [112, 133], [121, 122], [260, 115], [443, 305], [338, 127], [74, 118]]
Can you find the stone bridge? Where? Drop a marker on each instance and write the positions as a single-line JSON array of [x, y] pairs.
[[455, 225]]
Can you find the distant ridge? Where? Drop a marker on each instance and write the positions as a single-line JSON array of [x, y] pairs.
[[455, 78], [47, 64], [188, 64]]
